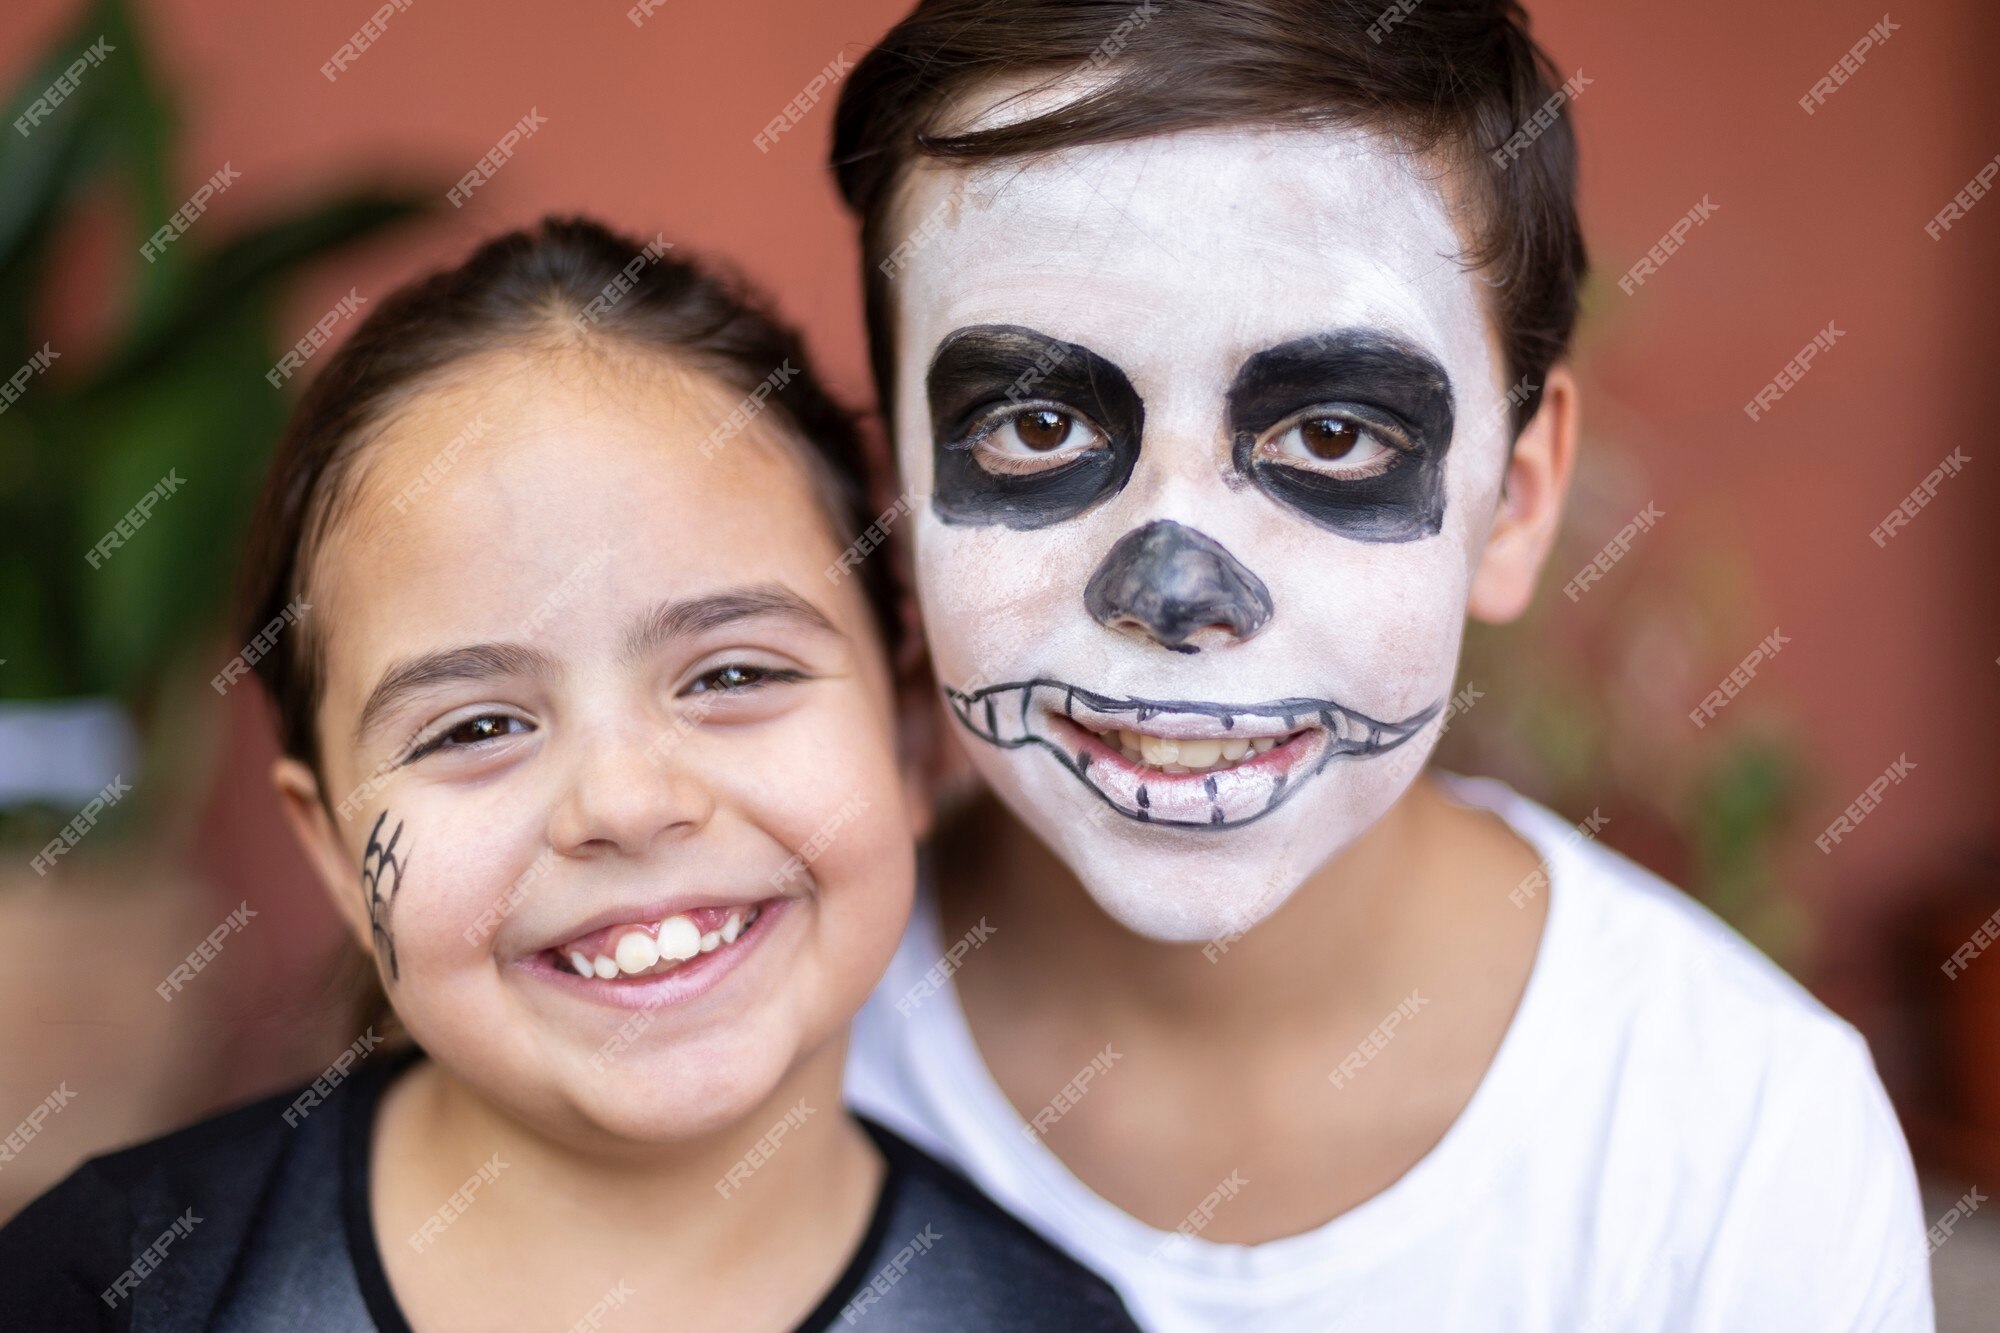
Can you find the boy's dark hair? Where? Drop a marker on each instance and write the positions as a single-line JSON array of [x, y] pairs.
[[560, 281], [1454, 77]]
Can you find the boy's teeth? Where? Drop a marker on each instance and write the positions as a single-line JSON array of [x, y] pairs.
[[711, 941], [637, 952], [581, 964], [1189, 756], [679, 938], [1199, 754], [732, 928], [604, 967]]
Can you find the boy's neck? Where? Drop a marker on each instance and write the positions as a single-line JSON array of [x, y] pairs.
[[1345, 941], [1242, 1040]]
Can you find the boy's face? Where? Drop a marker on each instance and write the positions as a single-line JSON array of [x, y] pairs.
[[1211, 429], [582, 680]]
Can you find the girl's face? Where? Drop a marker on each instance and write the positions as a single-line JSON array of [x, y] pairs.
[[596, 703]]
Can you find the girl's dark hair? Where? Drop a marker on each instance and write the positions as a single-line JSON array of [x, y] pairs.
[[562, 282], [1460, 76]]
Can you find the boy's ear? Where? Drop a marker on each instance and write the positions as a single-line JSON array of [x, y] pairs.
[[1531, 504], [306, 814]]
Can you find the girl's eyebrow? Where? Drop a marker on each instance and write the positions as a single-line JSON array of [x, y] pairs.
[[482, 661], [667, 621], [696, 615]]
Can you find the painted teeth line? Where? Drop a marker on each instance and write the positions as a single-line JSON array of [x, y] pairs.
[[1189, 756], [676, 940]]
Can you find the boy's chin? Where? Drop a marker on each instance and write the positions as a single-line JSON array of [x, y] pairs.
[[1209, 887], [1177, 896]]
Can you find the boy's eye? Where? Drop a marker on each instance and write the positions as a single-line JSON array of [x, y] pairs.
[[1333, 443], [1035, 439], [737, 676]]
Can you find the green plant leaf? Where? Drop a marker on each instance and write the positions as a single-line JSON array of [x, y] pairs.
[[248, 266]]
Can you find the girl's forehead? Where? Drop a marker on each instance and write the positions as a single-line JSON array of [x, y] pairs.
[[1198, 244], [510, 490], [524, 433]]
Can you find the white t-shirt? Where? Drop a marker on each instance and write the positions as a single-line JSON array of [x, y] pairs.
[[1672, 1136]]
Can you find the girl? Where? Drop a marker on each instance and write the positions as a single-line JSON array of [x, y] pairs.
[[590, 736]]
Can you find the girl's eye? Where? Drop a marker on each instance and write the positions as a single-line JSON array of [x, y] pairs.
[[473, 731], [1036, 439], [737, 676], [1334, 444]]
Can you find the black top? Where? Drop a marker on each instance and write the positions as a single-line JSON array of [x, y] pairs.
[[243, 1222]]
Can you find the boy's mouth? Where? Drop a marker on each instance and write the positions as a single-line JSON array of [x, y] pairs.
[[642, 949], [1181, 763]]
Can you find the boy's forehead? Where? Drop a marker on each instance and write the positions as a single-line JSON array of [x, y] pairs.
[[1217, 241]]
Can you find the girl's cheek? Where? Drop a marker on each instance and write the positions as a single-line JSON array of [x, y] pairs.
[[436, 876], [811, 781]]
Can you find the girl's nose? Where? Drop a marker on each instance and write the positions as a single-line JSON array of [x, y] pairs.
[[624, 794]]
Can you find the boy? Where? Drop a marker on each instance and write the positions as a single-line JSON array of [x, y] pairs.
[[1223, 345]]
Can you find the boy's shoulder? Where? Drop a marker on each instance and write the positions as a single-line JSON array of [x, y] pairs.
[[1676, 1062], [940, 1253], [1699, 1021], [1637, 932]]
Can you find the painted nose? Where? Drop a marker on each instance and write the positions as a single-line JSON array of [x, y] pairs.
[[1172, 584]]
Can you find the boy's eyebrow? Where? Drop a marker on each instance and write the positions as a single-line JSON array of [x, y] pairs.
[[695, 615], [1374, 365], [477, 662]]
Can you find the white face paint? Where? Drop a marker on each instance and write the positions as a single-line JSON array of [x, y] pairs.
[[1312, 516]]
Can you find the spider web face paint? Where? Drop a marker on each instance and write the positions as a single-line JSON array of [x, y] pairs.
[[381, 880], [1212, 655]]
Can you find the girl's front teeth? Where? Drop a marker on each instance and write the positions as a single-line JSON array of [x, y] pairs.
[[674, 941], [637, 952]]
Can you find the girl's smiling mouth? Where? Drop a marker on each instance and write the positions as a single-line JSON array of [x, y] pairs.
[[646, 960]]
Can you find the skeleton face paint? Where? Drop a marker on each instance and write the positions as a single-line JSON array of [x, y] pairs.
[[1401, 495], [1003, 456], [1210, 468]]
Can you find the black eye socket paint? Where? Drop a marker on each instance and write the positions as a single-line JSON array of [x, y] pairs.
[[381, 880], [1375, 374], [983, 369]]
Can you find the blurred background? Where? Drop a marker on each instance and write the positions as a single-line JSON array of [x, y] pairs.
[[328, 136]]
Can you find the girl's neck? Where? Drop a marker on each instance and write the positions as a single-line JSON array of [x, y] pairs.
[[557, 1223]]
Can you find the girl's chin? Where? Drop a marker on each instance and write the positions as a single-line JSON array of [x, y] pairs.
[[665, 1103]]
